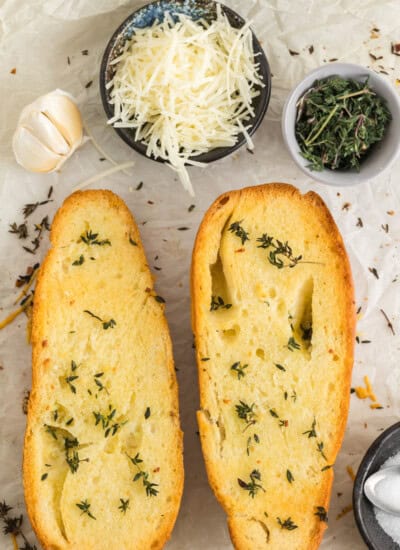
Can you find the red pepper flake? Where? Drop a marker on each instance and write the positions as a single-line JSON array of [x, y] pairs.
[[240, 250], [396, 48], [346, 206], [147, 289], [13, 70]]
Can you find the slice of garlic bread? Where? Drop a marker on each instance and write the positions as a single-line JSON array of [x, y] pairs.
[[103, 447], [273, 317]]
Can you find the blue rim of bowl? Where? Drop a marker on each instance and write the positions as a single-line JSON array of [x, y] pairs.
[[204, 8], [366, 469]]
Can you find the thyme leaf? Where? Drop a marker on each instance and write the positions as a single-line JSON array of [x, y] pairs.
[[91, 239], [150, 487], [312, 432], [107, 421], [253, 486], [321, 513], [124, 505], [287, 524], [20, 230], [84, 505], [79, 261], [238, 230], [106, 324], [292, 344], [239, 369], [217, 302], [281, 254], [246, 412], [30, 208]]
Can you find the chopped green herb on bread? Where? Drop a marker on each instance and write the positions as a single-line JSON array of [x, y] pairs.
[[103, 447], [273, 318]]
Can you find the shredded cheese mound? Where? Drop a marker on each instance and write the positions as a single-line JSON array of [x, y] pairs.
[[186, 87]]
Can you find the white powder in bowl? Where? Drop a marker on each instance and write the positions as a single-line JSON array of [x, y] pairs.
[[390, 523]]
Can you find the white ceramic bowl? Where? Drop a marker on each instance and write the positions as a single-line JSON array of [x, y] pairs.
[[383, 154]]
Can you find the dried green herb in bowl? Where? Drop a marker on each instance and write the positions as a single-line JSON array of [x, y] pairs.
[[338, 120]]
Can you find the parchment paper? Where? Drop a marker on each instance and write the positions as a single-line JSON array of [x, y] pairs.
[[36, 39]]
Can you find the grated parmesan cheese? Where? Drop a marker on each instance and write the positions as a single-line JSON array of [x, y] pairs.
[[186, 87]]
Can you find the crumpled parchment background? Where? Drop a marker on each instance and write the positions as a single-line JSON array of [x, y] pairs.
[[36, 38]]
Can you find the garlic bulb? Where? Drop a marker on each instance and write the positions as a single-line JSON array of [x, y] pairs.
[[48, 132]]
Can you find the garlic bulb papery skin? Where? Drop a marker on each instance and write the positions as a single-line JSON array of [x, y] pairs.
[[48, 132]]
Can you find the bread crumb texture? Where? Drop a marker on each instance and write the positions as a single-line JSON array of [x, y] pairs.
[[273, 316], [103, 446]]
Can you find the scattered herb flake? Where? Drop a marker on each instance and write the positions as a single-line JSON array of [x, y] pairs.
[[29, 209], [20, 230], [79, 261], [238, 230], [124, 505], [246, 412], [312, 432], [84, 505], [287, 524], [289, 476], [238, 368], [281, 250], [147, 413], [321, 513], [292, 344], [217, 302], [253, 487], [144, 476], [373, 271], [280, 367], [389, 324], [91, 239]]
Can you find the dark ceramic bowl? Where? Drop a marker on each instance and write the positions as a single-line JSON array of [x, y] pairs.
[[196, 9], [385, 446]]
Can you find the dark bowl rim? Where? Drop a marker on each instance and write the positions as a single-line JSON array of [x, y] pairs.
[[218, 152], [362, 473]]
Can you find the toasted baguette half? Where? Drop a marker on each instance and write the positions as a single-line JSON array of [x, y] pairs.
[[103, 446], [273, 317]]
